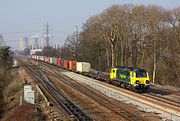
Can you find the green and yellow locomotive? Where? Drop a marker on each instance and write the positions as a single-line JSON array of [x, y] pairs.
[[134, 78]]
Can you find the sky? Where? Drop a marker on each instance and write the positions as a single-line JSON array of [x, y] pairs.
[[28, 17]]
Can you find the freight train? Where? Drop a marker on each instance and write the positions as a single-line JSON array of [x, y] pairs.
[[127, 77]]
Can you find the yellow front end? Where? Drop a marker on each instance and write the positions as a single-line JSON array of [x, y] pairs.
[[113, 74], [141, 82]]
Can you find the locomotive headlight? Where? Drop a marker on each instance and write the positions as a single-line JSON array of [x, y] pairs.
[[137, 82]]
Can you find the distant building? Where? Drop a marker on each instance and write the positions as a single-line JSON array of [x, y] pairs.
[[34, 43], [42, 42], [1, 40], [45, 42], [23, 43]]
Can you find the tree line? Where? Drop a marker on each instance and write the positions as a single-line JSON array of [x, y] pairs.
[[130, 35], [5, 64]]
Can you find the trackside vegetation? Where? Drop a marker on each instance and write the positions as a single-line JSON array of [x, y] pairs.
[[5, 64]]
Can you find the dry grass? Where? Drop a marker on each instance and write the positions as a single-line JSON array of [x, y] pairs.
[[24, 112], [12, 93], [15, 86]]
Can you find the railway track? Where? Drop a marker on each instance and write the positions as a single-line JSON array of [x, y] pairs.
[[98, 97], [163, 99], [70, 108], [150, 95], [157, 96], [167, 111], [115, 107]]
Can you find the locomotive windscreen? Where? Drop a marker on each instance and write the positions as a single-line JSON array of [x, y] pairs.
[[141, 73]]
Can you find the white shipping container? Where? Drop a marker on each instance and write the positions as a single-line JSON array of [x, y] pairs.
[[83, 67]]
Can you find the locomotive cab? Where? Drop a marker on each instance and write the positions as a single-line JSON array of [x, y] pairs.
[[113, 74], [140, 79], [134, 77]]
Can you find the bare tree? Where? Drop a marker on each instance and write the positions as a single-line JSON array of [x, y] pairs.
[[128, 35]]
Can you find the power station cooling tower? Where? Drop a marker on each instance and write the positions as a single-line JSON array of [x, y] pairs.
[[23, 43]]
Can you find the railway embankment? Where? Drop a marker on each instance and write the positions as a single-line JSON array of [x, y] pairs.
[[12, 93]]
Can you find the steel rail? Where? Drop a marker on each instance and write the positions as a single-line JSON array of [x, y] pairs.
[[74, 111]]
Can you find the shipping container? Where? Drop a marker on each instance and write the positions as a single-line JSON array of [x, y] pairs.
[[37, 57], [62, 63], [52, 60], [47, 59], [59, 62], [56, 61], [66, 64], [32, 56], [42, 58], [72, 65], [83, 67]]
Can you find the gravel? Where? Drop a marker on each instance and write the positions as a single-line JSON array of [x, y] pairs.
[[109, 91]]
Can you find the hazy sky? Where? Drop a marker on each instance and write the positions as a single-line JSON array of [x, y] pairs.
[[21, 17]]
